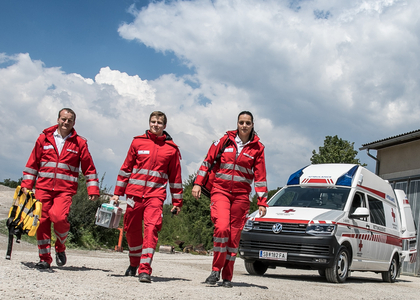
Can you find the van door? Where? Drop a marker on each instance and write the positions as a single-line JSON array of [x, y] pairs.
[[382, 247], [361, 233]]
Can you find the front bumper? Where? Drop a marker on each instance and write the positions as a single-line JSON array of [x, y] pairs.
[[303, 251]]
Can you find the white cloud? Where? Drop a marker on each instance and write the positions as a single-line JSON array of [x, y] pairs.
[[335, 55], [306, 69], [114, 108]]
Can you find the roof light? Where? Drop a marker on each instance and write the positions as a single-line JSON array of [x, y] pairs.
[[294, 178], [347, 178]]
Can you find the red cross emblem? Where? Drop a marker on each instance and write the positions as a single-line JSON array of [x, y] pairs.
[[393, 214], [360, 246], [289, 210]]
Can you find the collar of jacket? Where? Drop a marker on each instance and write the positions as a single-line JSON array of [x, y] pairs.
[[165, 137], [50, 131], [233, 133]]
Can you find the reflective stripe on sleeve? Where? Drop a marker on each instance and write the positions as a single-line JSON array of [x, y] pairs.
[[124, 174], [28, 177], [30, 171], [175, 185], [91, 176], [121, 184], [260, 183], [92, 183]]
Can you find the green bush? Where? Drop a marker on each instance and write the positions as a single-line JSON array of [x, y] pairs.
[[83, 231]]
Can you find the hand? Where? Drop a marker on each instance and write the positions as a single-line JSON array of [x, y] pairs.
[[25, 191], [262, 210], [115, 198], [175, 210], [93, 197], [196, 191]]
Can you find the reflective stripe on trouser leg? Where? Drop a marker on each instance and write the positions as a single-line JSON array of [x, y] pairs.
[[43, 233], [152, 224], [220, 216], [58, 214], [133, 219], [235, 206]]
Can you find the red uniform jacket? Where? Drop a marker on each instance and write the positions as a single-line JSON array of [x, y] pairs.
[[151, 161], [234, 174], [60, 173]]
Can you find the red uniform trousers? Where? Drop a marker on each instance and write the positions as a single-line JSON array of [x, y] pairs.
[[228, 213], [55, 209], [141, 249]]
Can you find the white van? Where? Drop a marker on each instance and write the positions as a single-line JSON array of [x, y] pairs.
[[334, 218]]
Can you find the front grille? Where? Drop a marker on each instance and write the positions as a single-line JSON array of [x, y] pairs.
[[288, 228], [298, 248]]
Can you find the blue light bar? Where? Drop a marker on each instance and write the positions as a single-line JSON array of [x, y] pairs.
[[294, 178], [347, 178]]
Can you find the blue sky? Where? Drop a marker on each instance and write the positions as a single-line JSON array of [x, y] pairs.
[[80, 37], [306, 69]]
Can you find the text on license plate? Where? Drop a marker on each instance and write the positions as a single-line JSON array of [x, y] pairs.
[[273, 255]]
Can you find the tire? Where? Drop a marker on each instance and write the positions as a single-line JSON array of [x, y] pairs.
[[321, 272], [339, 271], [392, 273], [255, 267]]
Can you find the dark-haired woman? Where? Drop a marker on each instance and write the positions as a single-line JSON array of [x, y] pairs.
[[241, 162]]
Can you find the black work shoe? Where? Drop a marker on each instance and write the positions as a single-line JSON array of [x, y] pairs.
[[144, 277], [213, 278], [60, 258], [227, 283], [42, 265], [131, 271]]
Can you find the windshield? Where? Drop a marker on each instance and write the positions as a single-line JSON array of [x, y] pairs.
[[326, 198]]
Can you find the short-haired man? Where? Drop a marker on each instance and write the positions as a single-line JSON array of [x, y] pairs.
[[54, 165], [152, 160]]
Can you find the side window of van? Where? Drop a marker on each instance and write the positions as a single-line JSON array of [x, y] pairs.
[[377, 213], [358, 201]]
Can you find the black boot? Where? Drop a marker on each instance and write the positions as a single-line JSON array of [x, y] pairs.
[[60, 258], [131, 271], [213, 278]]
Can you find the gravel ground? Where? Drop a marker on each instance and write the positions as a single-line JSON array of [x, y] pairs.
[[100, 275]]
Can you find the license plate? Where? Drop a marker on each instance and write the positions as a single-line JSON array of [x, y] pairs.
[[273, 255]]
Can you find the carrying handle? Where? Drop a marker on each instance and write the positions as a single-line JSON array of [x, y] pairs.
[[112, 202]]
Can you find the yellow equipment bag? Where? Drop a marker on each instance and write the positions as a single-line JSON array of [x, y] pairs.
[[24, 216]]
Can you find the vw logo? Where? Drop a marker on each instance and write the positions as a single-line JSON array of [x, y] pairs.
[[277, 228]]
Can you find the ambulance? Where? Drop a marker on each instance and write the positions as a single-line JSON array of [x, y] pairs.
[[334, 218]]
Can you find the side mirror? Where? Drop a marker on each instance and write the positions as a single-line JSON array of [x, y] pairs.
[[360, 212]]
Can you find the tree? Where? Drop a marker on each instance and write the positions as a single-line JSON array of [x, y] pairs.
[[336, 150], [11, 183]]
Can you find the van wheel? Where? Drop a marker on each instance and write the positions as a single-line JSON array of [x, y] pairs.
[[339, 271], [391, 274], [255, 267], [321, 272]]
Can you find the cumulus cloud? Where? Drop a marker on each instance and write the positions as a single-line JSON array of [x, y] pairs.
[[304, 58], [114, 107], [306, 69]]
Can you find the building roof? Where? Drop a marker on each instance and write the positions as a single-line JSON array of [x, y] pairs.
[[393, 140]]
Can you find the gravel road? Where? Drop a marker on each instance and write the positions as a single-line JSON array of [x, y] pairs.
[[100, 275]]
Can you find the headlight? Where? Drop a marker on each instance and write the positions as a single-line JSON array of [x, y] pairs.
[[321, 229], [248, 225]]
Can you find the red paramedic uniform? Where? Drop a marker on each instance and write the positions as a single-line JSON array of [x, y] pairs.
[[151, 162], [56, 179], [230, 195]]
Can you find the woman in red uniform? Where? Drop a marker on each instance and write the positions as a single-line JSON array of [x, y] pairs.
[[241, 162]]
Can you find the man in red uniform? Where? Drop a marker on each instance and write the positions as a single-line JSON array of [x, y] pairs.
[[152, 160], [54, 164]]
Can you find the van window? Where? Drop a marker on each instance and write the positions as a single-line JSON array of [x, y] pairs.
[[358, 201], [377, 213], [326, 198]]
